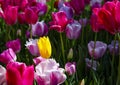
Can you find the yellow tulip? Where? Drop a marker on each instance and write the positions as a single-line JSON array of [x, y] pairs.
[[44, 46]]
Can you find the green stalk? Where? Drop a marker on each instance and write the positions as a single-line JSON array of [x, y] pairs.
[[62, 46], [118, 78]]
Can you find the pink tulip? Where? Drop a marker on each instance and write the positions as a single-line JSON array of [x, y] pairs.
[[32, 47], [37, 60], [19, 74], [14, 44], [70, 68], [59, 22], [49, 73], [7, 56], [2, 76]]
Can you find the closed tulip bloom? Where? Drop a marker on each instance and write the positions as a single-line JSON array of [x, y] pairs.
[[114, 48], [10, 14], [48, 72], [96, 50], [30, 16], [2, 76], [15, 45], [19, 74], [59, 22], [39, 29], [70, 68], [73, 30], [8, 56], [32, 47], [44, 46]]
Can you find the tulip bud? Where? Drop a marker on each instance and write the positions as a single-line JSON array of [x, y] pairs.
[[70, 54]]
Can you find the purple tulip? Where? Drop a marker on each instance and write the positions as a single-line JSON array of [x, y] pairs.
[[8, 56], [91, 64], [95, 3], [2, 76], [39, 29], [96, 50], [67, 10], [15, 45], [19, 74], [49, 73], [70, 68], [73, 30], [32, 47], [27, 34], [77, 5], [114, 48]]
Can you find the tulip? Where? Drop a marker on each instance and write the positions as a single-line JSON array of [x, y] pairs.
[[2, 75], [21, 18], [108, 16], [37, 60], [49, 73], [27, 34], [19, 74], [10, 15], [59, 22], [68, 11], [44, 46], [39, 29], [114, 48], [32, 47], [70, 68], [8, 56], [77, 5], [15, 45], [73, 30], [96, 50], [91, 64], [30, 16]]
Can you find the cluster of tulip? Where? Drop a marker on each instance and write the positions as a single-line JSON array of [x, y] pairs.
[[36, 55]]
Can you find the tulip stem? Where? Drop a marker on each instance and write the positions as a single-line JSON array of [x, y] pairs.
[[118, 78], [62, 45]]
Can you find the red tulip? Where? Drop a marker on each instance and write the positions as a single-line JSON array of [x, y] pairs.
[[108, 15]]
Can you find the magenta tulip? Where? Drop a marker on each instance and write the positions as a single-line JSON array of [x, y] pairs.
[[19, 74], [10, 14], [8, 56], [15, 45], [59, 22]]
